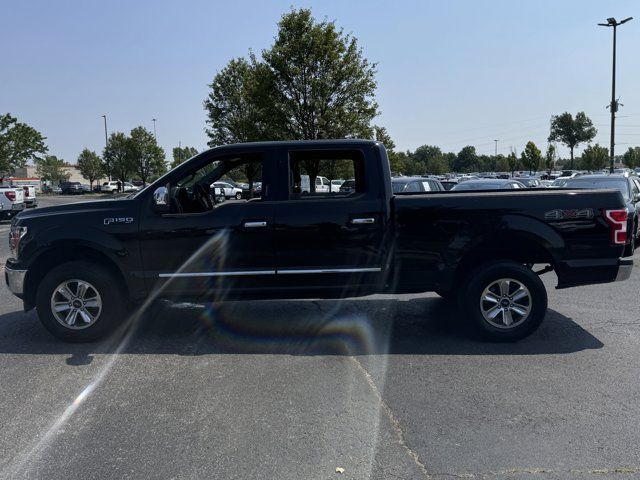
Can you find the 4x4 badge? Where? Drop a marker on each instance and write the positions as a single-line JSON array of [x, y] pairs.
[[574, 214]]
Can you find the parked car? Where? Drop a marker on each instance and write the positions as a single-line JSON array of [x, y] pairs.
[[489, 184], [11, 202], [109, 187], [335, 185], [129, 187], [629, 187], [30, 199], [81, 265], [71, 188], [349, 186], [51, 189], [530, 182], [415, 185], [449, 183], [230, 191]]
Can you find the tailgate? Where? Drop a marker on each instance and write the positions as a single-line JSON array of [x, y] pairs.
[[19, 195]]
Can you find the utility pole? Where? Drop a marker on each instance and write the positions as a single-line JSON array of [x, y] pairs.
[[154, 129], [106, 139], [496, 147], [613, 106], [179, 152]]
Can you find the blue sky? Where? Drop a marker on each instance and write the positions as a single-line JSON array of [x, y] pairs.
[[450, 73]]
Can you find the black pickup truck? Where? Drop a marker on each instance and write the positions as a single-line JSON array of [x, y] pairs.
[[86, 266]]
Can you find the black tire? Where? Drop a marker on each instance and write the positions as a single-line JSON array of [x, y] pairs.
[[629, 249], [239, 196], [103, 281], [488, 276]]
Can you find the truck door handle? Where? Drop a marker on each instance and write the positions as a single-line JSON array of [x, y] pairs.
[[363, 221], [257, 224]]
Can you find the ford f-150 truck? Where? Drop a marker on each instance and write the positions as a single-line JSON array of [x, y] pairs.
[[83, 265]]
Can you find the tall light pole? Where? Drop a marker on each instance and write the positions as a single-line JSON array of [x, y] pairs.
[[105, 130], [154, 129], [106, 139], [613, 106], [496, 147]]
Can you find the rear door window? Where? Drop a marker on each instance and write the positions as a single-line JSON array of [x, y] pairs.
[[311, 173]]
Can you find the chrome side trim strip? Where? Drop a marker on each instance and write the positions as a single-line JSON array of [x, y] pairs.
[[329, 270], [270, 272], [216, 274]]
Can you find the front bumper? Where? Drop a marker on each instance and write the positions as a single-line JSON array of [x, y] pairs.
[[625, 266], [15, 280]]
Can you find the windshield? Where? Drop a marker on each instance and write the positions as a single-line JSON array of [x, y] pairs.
[[398, 187], [620, 184]]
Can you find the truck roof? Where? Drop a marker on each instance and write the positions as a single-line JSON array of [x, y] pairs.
[[347, 142]]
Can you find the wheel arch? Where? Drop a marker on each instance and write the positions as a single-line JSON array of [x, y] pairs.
[[60, 254], [516, 246]]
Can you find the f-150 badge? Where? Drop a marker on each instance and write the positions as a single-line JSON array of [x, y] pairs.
[[112, 220], [574, 214]]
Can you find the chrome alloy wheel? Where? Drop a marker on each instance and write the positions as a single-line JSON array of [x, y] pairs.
[[505, 303], [76, 304]]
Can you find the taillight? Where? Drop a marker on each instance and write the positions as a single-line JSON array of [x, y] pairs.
[[617, 220], [10, 195]]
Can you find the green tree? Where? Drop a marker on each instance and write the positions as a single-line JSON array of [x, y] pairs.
[[116, 157], [312, 83], [572, 132], [19, 143], [466, 160], [502, 164], [380, 134], [146, 157], [512, 162], [550, 158], [180, 154], [436, 165], [51, 169], [631, 157], [594, 157], [425, 153], [398, 162], [236, 105], [531, 157], [90, 166]]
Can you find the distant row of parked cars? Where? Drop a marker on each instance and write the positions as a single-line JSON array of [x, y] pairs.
[[77, 188]]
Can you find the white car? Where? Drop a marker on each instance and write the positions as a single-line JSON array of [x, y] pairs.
[[112, 187], [109, 187], [322, 184], [230, 191], [335, 185], [11, 202]]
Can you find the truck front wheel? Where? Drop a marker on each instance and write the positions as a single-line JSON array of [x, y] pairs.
[[504, 301], [80, 302]]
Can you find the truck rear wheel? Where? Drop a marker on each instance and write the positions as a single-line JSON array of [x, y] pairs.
[[80, 302], [504, 301]]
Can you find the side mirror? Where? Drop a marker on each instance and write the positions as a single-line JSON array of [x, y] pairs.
[[161, 200]]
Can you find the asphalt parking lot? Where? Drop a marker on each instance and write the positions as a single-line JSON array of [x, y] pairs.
[[381, 387]]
